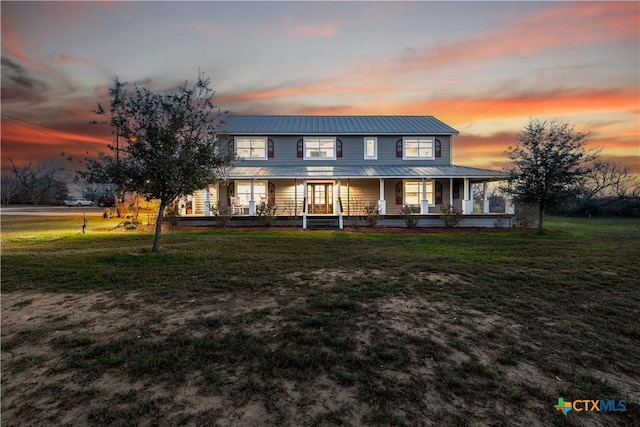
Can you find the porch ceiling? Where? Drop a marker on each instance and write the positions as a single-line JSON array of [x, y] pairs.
[[359, 171]]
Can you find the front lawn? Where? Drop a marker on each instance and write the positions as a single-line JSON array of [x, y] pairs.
[[261, 327]]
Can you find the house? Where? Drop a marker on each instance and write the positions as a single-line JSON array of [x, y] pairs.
[[339, 166]]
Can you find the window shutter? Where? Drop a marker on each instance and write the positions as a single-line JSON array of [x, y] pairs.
[[271, 198], [338, 148], [270, 148], [399, 149], [230, 146], [438, 193], [399, 193], [300, 146], [438, 148], [230, 192]]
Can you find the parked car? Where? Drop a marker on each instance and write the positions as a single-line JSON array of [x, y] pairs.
[[107, 200], [78, 201]]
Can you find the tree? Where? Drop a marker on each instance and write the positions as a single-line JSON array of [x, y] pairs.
[[10, 188], [42, 182], [172, 145], [607, 178], [547, 164]]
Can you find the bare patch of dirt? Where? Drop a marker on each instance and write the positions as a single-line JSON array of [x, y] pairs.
[[327, 276], [440, 338]]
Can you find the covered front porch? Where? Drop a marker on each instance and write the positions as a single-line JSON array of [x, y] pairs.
[[346, 193]]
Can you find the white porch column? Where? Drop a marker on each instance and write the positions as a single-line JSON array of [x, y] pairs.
[[295, 197], [348, 198], [450, 193], [339, 206], [509, 206], [425, 203], [305, 203], [467, 206], [485, 200], [382, 203], [252, 203], [207, 201]]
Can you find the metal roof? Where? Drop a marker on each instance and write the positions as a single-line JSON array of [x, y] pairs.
[[358, 171], [336, 125]]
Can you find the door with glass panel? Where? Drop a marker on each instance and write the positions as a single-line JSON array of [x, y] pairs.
[[320, 198]]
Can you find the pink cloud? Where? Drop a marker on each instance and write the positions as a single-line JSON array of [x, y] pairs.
[[324, 30], [554, 28], [13, 46], [63, 59], [213, 30]]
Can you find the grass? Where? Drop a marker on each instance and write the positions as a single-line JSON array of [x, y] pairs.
[[318, 328]]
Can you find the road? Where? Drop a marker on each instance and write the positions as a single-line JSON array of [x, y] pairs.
[[52, 210]]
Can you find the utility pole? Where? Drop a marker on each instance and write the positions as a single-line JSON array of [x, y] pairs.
[[118, 188]]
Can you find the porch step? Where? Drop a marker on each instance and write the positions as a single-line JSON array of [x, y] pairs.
[[319, 223]]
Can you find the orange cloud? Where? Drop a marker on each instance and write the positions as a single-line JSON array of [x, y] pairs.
[[25, 135], [529, 105], [463, 110]]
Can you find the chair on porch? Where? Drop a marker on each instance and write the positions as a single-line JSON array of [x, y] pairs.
[[236, 206]]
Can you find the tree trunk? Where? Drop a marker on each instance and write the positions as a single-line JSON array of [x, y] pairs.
[[540, 218], [156, 237]]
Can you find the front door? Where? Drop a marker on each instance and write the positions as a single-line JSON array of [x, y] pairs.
[[320, 198]]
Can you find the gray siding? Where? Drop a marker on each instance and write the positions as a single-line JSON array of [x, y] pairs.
[[285, 152]]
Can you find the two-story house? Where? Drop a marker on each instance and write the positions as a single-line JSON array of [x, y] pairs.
[[338, 166]]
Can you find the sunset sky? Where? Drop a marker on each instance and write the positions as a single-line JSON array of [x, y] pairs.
[[484, 68]]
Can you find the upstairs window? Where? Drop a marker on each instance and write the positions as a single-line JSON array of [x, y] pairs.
[[370, 148], [418, 148], [320, 148], [251, 148]]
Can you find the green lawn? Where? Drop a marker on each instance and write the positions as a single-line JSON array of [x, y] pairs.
[[261, 327]]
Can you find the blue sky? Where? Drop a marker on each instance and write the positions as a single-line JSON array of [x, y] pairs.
[[485, 68]]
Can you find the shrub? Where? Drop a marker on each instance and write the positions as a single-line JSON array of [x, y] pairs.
[[450, 216], [408, 213], [172, 213], [266, 213], [130, 225], [526, 214], [372, 214], [222, 213]]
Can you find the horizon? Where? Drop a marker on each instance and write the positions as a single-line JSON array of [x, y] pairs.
[[484, 68]]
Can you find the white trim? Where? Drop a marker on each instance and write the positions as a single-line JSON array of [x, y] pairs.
[[266, 147], [419, 138], [304, 147], [375, 148]]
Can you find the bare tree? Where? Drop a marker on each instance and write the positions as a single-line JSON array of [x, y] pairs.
[[609, 179], [40, 182], [10, 188]]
